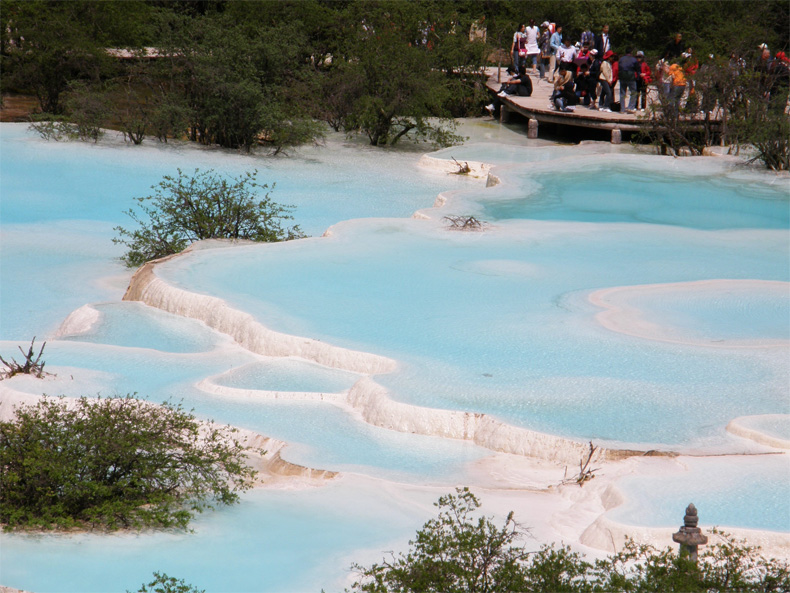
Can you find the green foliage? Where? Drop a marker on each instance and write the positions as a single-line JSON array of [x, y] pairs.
[[87, 109], [456, 552], [186, 208], [163, 583], [114, 463], [233, 82], [52, 127], [453, 553], [47, 45], [241, 74], [733, 100], [390, 88]]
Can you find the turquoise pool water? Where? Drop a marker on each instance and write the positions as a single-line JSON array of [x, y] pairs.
[[756, 486], [496, 322], [633, 194]]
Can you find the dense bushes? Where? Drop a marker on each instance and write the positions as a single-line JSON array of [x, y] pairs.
[[457, 552], [113, 463]]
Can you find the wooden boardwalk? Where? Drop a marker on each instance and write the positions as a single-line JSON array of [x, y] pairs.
[[537, 108]]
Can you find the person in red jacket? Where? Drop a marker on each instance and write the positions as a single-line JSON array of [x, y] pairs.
[[643, 81], [690, 67], [615, 74]]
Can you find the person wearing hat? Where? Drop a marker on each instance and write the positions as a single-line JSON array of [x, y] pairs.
[[780, 81], [644, 78]]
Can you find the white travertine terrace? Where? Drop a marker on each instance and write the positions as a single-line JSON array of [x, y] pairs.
[[619, 316], [368, 399], [145, 286], [743, 426]]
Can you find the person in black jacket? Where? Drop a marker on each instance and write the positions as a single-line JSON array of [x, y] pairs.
[[595, 75], [602, 42], [628, 70], [674, 49], [520, 85]]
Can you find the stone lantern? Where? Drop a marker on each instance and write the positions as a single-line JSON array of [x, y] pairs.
[[690, 536]]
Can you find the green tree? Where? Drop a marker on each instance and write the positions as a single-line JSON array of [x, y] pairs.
[[453, 553], [185, 209], [45, 49], [163, 583], [234, 82], [391, 89], [46, 45], [114, 462], [456, 552]]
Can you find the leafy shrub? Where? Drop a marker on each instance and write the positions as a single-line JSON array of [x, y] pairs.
[[163, 583], [88, 111], [185, 209], [457, 552], [453, 553], [114, 462], [53, 127]]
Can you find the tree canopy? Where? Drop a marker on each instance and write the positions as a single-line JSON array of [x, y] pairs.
[[112, 463]]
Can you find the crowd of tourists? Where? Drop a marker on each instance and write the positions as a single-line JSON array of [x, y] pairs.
[[587, 71]]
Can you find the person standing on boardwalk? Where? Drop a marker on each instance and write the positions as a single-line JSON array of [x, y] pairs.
[[628, 71], [518, 50], [643, 81], [602, 42], [555, 43], [545, 48], [533, 50], [674, 48], [606, 82], [677, 82], [595, 76], [566, 55], [588, 38]]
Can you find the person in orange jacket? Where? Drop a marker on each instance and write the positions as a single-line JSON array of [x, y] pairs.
[[643, 81], [677, 79]]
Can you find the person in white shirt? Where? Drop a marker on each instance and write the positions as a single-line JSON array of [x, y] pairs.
[[533, 49], [566, 54]]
